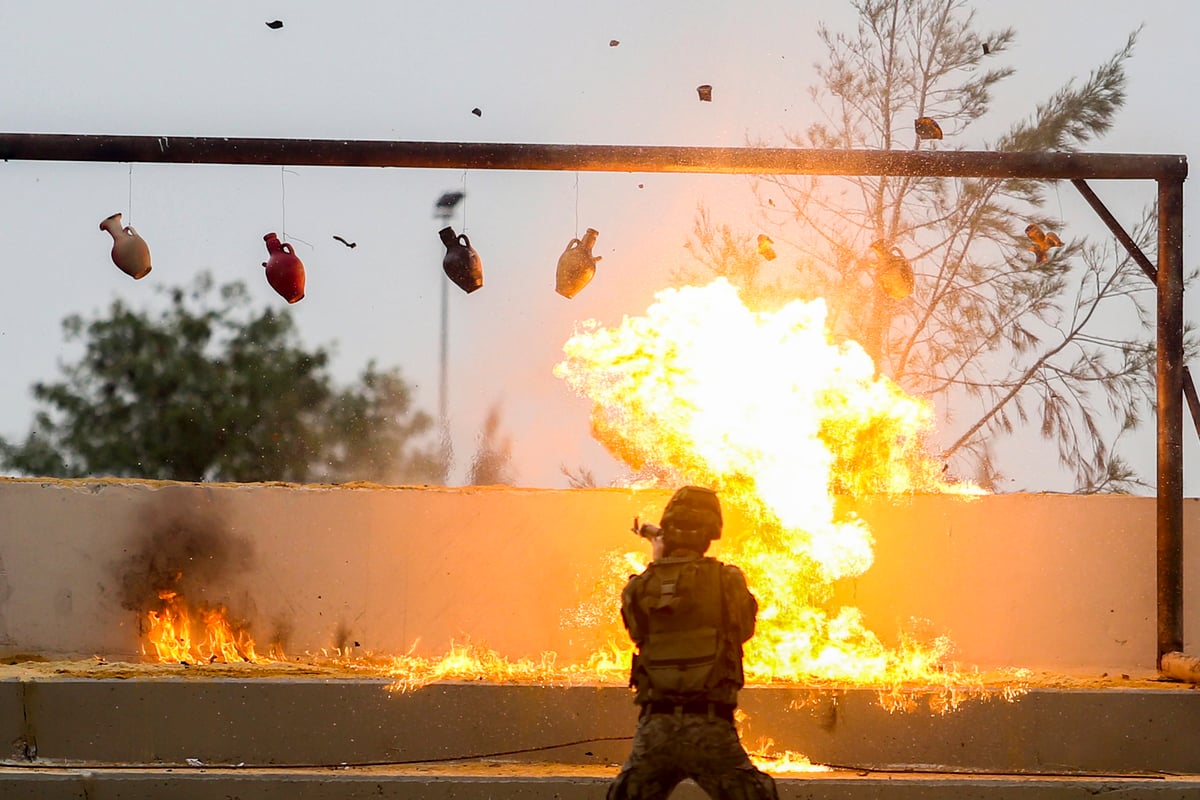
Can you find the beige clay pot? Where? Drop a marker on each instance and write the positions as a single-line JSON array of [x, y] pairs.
[[130, 252]]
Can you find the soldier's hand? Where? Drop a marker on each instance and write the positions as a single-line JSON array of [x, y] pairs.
[[656, 548]]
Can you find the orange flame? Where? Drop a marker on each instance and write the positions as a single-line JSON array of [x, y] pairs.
[[786, 762], [468, 662], [205, 635]]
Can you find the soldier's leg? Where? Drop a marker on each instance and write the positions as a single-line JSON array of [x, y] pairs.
[[640, 785], [652, 770], [743, 783], [726, 772]]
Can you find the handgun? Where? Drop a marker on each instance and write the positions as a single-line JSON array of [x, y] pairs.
[[647, 531]]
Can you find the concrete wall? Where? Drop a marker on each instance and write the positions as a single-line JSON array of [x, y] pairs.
[[1042, 581], [1063, 582]]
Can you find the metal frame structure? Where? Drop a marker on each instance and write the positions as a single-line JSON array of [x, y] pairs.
[[1168, 171]]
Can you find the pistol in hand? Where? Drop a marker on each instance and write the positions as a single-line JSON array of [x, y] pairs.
[[646, 531]]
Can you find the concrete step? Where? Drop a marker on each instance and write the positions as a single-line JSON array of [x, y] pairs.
[[499, 781], [313, 722]]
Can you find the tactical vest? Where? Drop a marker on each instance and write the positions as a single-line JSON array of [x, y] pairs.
[[683, 601]]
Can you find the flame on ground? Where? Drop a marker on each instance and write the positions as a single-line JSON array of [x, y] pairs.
[[470, 662], [783, 763], [194, 636]]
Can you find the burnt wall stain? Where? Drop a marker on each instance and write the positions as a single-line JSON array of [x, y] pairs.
[[182, 543], [26, 746]]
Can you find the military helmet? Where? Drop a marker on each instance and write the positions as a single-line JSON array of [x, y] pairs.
[[693, 512]]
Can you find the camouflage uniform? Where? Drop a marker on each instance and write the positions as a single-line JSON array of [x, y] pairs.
[[692, 737]]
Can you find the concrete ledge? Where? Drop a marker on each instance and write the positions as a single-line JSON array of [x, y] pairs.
[[500, 783], [271, 722], [326, 723]]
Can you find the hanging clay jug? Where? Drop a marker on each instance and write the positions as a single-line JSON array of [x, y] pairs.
[[894, 274], [461, 263], [129, 251], [577, 265], [285, 271]]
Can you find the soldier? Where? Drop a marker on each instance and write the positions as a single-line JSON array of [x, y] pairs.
[[689, 616]]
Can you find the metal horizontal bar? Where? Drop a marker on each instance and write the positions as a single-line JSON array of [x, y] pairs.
[[591, 158]]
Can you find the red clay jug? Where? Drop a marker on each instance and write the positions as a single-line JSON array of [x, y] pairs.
[[576, 265], [461, 263], [130, 252], [285, 271]]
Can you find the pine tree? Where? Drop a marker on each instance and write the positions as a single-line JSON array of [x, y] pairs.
[[1003, 329]]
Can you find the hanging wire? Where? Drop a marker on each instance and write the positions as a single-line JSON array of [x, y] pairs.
[[283, 234], [282, 204], [464, 201], [129, 204], [576, 204]]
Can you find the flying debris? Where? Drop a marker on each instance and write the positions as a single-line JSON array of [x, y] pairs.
[[895, 274], [927, 128], [987, 49], [1042, 241], [705, 92], [477, 111], [766, 247], [613, 42], [343, 241], [447, 203], [275, 24]]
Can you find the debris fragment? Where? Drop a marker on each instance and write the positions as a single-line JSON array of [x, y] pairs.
[[477, 111], [1042, 241], [343, 241], [927, 128], [275, 24], [447, 202], [766, 247], [987, 50], [705, 92], [613, 42]]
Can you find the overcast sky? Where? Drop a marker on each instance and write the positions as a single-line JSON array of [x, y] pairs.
[[540, 71]]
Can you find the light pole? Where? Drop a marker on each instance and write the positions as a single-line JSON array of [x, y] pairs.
[[443, 210]]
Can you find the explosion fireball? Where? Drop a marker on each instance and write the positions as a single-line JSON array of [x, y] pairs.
[[781, 420]]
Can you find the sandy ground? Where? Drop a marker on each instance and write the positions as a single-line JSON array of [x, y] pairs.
[[33, 667]]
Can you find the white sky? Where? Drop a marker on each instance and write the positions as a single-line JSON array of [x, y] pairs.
[[540, 71]]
